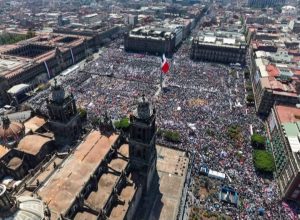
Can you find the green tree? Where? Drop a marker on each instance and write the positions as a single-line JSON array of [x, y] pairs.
[[234, 131], [82, 113], [263, 161], [124, 123], [258, 141], [172, 136]]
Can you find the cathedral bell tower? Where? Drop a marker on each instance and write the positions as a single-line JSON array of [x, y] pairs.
[[142, 150], [64, 118]]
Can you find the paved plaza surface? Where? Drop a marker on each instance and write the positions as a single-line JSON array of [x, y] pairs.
[[200, 101]]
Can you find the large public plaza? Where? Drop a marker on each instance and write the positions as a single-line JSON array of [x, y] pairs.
[[200, 101]]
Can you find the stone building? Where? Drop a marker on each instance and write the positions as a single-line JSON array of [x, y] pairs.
[[142, 151], [23, 207], [3, 88], [220, 46], [40, 58], [64, 119], [153, 40], [11, 132], [30, 151], [107, 176]]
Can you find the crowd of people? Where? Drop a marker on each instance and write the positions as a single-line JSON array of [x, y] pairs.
[[200, 101]]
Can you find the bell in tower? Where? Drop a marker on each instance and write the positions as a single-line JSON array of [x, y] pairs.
[[142, 150], [64, 118]]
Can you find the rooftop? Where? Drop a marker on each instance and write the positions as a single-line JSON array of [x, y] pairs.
[[292, 133], [17, 57], [3, 150], [172, 168], [34, 123], [221, 38], [287, 114], [32, 144], [60, 191]]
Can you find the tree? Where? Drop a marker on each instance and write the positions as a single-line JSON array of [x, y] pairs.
[[82, 113], [258, 141], [124, 123], [172, 136], [263, 161], [234, 131]]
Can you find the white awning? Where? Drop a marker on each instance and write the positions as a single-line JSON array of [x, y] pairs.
[[18, 88]]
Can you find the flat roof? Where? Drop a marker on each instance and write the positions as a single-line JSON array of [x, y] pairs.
[[12, 65], [18, 88], [172, 168], [210, 39], [8, 64], [292, 133], [261, 64], [287, 114], [60, 191], [278, 87], [229, 41]]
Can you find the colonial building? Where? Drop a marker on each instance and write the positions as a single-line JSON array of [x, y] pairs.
[[224, 47], [107, 177], [11, 132], [153, 40], [23, 207], [40, 58], [64, 119], [30, 151], [142, 150]]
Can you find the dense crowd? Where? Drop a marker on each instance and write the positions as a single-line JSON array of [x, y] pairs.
[[200, 101]]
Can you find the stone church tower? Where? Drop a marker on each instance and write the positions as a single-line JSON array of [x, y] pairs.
[[142, 150], [64, 118]]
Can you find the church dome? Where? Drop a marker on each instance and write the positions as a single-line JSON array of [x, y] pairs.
[[20, 208], [11, 132]]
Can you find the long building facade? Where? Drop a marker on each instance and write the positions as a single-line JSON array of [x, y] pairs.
[[153, 40], [284, 129], [219, 47], [39, 59]]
